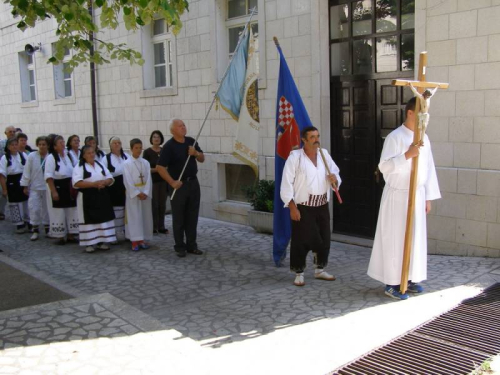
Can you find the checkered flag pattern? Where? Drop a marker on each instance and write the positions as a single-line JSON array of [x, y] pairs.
[[286, 112]]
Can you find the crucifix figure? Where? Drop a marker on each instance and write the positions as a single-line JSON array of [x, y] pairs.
[[142, 178], [425, 103]]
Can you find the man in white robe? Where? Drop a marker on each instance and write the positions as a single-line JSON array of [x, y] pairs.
[[139, 190], [395, 164]]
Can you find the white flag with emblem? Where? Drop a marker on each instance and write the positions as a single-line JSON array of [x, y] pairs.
[[246, 145]]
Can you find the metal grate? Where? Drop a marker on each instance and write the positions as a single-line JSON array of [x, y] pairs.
[[456, 342]]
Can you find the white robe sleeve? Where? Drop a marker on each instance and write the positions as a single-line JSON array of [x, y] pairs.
[[3, 166], [148, 188], [287, 179], [431, 186], [128, 181], [77, 175], [392, 159], [50, 166], [27, 172]]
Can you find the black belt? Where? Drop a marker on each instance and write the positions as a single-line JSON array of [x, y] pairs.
[[189, 179]]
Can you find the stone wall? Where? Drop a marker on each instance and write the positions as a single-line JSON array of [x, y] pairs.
[[127, 110], [462, 38]]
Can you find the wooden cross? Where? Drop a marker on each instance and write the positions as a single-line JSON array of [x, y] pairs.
[[141, 177], [418, 134]]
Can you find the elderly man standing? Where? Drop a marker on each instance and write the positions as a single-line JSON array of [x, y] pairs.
[[305, 188], [186, 202], [10, 132]]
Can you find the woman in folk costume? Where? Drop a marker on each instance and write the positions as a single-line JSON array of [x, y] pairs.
[[95, 212], [114, 161], [34, 185], [62, 205], [11, 169], [73, 147], [138, 209], [99, 154]]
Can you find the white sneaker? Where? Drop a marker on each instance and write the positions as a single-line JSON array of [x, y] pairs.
[[34, 236], [299, 280], [323, 275], [89, 249]]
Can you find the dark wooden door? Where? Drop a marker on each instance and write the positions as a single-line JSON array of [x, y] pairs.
[[363, 114], [354, 150], [371, 42]]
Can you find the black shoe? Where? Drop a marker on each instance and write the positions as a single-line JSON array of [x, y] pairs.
[[163, 231], [180, 253], [195, 252]]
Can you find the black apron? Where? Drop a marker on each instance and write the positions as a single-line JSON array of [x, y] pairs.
[[117, 192], [66, 198], [97, 207], [15, 191]]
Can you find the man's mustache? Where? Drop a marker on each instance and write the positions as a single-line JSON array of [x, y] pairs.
[[316, 143]]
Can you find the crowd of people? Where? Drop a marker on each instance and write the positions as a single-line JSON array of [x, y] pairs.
[[83, 195], [68, 192]]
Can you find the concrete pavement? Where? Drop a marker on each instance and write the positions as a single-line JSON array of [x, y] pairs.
[[227, 311]]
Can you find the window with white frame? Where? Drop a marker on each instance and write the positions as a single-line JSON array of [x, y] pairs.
[[63, 80], [162, 54], [238, 12], [28, 77], [158, 51]]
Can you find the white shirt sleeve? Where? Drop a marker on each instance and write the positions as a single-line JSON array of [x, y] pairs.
[[107, 174], [334, 169], [3, 166], [77, 175], [50, 167], [288, 179], [26, 178]]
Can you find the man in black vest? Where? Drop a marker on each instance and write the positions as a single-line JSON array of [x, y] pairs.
[[186, 202]]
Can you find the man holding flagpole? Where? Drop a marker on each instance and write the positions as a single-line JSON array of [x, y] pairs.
[[305, 189]]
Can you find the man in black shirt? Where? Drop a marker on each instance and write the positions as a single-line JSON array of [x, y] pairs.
[[186, 202]]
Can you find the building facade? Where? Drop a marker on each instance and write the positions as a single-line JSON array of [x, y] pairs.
[[343, 55]]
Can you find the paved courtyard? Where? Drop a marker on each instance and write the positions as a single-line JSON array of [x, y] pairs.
[[225, 312]]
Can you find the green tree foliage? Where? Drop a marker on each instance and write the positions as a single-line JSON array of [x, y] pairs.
[[75, 24]]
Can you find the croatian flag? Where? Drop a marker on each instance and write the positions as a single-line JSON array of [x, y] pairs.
[[291, 118]]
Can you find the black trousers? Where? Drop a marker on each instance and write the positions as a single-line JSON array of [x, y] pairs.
[[185, 211], [159, 203], [312, 232]]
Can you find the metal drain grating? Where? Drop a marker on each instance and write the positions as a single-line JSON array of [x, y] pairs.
[[456, 342]]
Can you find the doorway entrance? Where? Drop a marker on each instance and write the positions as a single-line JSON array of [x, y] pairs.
[[371, 43]]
